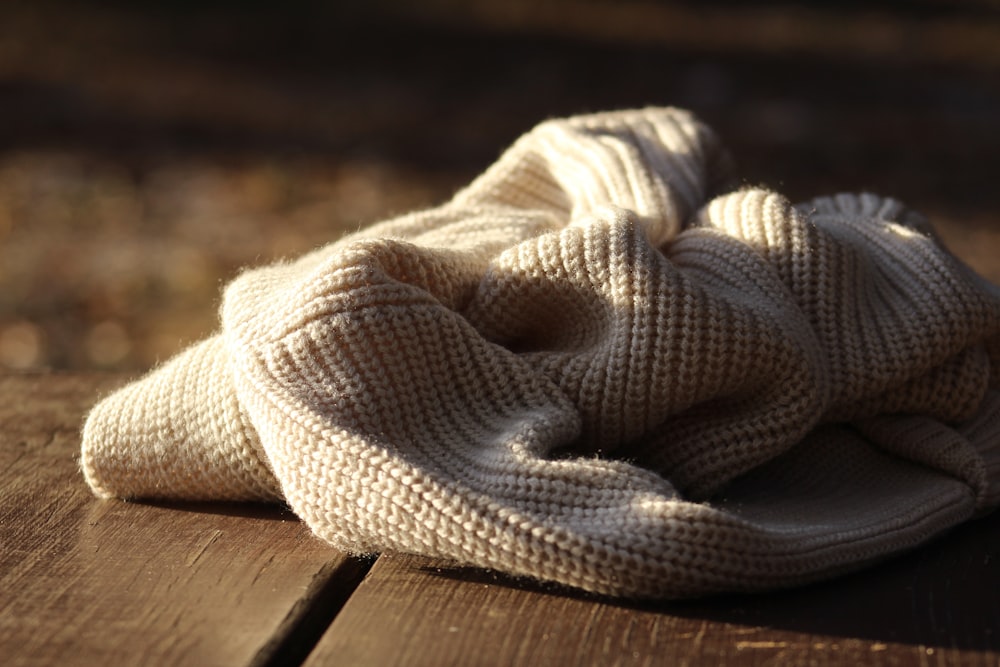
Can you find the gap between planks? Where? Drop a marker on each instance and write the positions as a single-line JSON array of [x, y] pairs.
[[309, 619]]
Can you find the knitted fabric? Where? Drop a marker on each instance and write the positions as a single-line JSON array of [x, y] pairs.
[[596, 366]]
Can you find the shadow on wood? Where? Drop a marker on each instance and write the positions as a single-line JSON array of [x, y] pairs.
[[944, 594]]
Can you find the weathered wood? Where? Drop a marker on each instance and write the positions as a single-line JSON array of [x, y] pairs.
[[935, 606], [86, 581]]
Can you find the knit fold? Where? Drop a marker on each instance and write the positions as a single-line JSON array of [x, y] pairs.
[[595, 365], [179, 433]]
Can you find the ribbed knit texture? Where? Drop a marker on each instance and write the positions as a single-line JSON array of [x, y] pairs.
[[597, 366]]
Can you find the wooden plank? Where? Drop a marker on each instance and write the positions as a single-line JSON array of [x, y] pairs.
[[939, 605], [85, 581]]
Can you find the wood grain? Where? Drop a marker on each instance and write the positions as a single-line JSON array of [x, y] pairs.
[[86, 581], [937, 606]]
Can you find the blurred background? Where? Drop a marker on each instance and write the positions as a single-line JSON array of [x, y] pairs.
[[148, 150]]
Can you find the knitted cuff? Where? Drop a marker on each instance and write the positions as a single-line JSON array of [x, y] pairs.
[[968, 451], [983, 433], [178, 434]]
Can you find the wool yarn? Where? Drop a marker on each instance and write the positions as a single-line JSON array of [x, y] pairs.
[[599, 365]]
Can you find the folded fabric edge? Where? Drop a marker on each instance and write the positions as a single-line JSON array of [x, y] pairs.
[[178, 433]]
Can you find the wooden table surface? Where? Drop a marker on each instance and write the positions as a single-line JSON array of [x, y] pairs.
[[85, 581], [144, 157]]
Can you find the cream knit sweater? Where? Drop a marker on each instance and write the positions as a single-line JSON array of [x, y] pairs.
[[596, 366]]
